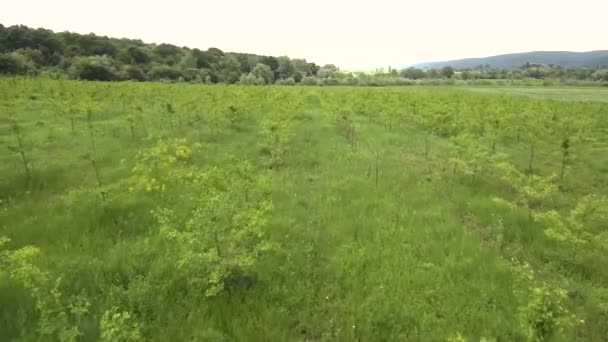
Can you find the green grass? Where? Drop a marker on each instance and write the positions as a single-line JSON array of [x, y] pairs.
[[563, 94], [415, 255]]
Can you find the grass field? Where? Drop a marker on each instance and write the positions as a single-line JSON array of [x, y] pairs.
[[563, 94], [220, 213]]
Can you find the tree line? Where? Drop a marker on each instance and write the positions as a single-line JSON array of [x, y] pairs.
[[29, 51]]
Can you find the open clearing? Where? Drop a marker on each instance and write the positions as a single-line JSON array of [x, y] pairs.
[[190, 212], [562, 94]]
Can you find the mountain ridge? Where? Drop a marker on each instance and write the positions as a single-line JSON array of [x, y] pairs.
[[513, 60]]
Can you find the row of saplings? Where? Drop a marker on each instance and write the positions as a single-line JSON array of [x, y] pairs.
[[210, 225], [543, 310]]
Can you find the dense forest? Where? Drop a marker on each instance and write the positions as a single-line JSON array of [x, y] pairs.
[[29, 51]]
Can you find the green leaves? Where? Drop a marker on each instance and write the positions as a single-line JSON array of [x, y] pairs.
[[169, 160], [543, 312], [223, 234], [119, 326], [531, 190], [276, 131], [583, 225], [58, 318]]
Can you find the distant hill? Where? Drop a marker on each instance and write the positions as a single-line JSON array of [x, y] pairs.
[[514, 60]]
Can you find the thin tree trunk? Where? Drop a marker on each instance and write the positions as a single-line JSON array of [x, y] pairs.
[[563, 168], [426, 148], [24, 159], [474, 172], [377, 168], [531, 161], [26, 166]]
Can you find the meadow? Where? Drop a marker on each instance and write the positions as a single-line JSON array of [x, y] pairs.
[[595, 94], [167, 212]]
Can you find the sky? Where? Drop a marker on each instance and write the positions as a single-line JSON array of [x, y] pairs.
[[352, 34]]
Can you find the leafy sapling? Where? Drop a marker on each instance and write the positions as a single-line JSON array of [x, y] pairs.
[[59, 318], [21, 149], [531, 190], [565, 153], [376, 155], [583, 226], [10, 108]]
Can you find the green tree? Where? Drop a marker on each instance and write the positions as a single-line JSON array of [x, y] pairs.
[[230, 69], [532, 190], [327, 71], [135, 73], [98, 68], [207, 59], [286, 68], [600, 75], [119, 326], [168, 53], [138, 55], [215, 244], [413, 73], [447, 71], [264, 72], [303, 69], [310, 80], [14, 63], [272, 62], [251, 79], [583, 226], [162, 71], [188, 61]]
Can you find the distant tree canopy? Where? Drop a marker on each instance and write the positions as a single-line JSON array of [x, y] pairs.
[[25, 50], [29, 51], [447, 72]]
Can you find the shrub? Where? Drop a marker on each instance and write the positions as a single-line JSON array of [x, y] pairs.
[[14, 63], [94, 68], [311, 80], [286, 81], [251, 79], [119, 326], [164, 72], [133, 72]]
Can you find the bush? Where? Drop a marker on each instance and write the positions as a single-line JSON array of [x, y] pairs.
[[54, 73], [311, 81], [251, 79], [331, 81], [94, 68], [14, 63], [133, 72], [164, 72], [286, 81], [193, 75], [351, 80], [600, 75]]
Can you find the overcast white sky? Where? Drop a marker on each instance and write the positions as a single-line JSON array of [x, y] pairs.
[[352, 34]]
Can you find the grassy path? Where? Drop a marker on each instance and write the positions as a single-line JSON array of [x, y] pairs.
[[361, 261]]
